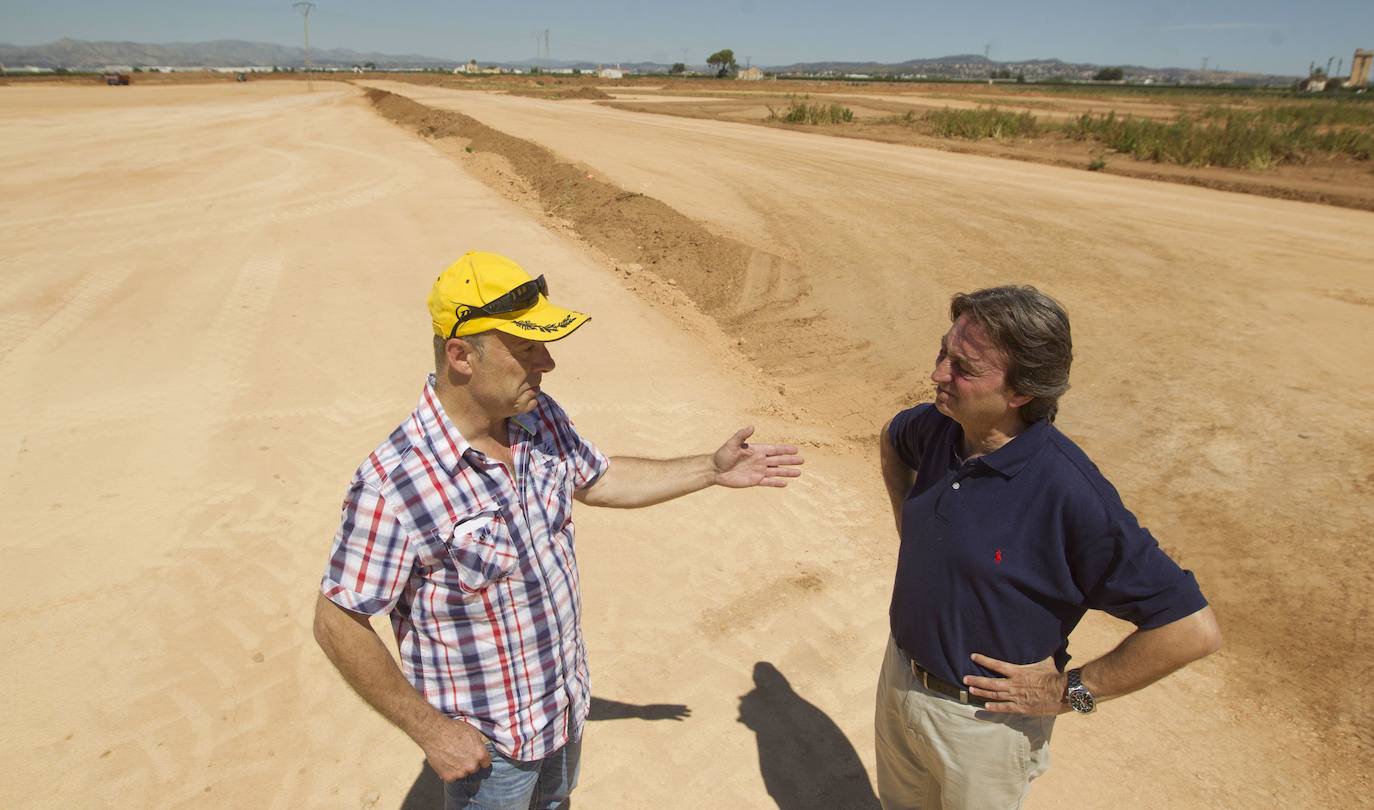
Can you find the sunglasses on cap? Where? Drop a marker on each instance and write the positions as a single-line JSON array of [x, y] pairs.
[[522, 297]]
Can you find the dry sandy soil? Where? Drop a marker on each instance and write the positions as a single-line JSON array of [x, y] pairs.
[[213, 308], [1328, 179], [878, 107]]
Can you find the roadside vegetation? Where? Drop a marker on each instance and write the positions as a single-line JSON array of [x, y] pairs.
[[985, 122], [1247, 138], [802, 111]]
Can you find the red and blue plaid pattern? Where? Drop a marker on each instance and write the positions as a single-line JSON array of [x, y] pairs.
[[477, 569]]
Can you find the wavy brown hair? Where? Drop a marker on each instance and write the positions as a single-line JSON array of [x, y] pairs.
[[1032, 330]]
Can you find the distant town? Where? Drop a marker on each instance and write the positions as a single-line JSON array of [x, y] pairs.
[[231, 56]]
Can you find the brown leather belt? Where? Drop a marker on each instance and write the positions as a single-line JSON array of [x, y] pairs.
[[938, 686]]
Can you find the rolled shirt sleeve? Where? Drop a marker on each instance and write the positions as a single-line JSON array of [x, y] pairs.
[[588, 463], [1121, 569], [372, 554]]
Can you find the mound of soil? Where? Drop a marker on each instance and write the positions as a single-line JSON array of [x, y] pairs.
[[632, 228], [560, 94], [586, 92]]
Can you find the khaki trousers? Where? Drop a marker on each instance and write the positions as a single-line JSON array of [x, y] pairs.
[[935, 753]]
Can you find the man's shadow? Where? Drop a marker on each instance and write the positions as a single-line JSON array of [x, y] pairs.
[[428, 791], [806, 760]]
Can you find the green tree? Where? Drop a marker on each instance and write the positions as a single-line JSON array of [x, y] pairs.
[[678, 67], [1110, 75], [724, 62]]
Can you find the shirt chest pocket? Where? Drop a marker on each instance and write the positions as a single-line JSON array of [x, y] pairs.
[[551, 480], [482, 551]]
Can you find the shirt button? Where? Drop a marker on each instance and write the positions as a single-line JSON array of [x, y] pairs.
[[955, 485]]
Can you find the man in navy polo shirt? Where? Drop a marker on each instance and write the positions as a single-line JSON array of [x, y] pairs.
[[1009, 534]]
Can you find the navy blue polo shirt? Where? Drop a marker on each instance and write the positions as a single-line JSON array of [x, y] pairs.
[[1002, 555]]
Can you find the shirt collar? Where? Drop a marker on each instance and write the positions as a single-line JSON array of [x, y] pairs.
[[444, 438], [527, 423], [1012, 457]]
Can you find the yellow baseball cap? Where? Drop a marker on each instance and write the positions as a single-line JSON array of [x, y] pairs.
[[483, 291]]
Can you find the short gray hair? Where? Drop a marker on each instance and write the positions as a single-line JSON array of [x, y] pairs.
[[476, 339], [1032, 330]]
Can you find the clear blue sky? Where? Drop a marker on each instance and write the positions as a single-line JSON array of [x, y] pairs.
[[1269, 36]]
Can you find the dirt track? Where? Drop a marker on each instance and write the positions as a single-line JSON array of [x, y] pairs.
[[210, 313]]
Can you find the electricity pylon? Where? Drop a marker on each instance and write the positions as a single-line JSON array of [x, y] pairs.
[[305, 9]]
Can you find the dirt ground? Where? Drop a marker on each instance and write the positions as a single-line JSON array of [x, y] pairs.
[[1338, 180], [213, 307], [1331, 179]]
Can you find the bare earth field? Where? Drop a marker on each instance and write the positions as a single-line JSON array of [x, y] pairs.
[[213, 308], [878, 107]]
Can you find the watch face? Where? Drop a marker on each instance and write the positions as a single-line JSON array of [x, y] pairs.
[[1081, 701]]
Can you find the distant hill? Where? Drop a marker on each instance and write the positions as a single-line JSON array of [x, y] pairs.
[[976, 66], [74, 54]]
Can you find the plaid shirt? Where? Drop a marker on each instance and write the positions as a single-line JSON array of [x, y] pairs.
[[477, 570]]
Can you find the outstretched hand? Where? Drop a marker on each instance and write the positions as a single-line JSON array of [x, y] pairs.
[[1024, 688], [739, 464]]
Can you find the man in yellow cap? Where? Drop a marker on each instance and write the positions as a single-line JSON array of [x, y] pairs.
[[459, 526]]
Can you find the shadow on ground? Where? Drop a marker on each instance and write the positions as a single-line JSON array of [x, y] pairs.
[[806, 761], [428, 791]]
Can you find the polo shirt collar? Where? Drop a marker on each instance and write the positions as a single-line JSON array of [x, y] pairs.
[[1012, 457], [444, 438]]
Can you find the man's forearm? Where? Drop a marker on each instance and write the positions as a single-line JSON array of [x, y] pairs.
[[630, 482], [359, 655], [1145, 656]]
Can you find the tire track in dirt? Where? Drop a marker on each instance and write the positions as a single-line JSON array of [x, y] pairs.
[[30, 228], [398, 178], [34, 338]]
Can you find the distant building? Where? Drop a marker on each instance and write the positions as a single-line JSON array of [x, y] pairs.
[[1359, 68], [470, 67], [750, 74], [610, 73]]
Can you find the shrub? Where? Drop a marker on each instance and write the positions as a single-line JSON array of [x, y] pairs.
[[800, 111], [1249, 139], [984, 122]]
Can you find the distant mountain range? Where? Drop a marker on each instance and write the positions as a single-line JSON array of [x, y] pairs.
[[73, 54]]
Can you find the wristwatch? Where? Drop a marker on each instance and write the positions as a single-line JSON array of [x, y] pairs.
[[1077, 695]]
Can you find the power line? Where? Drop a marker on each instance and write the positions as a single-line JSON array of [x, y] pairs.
[[304, 9]]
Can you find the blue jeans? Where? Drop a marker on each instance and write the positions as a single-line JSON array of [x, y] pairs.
[[510, 784]]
